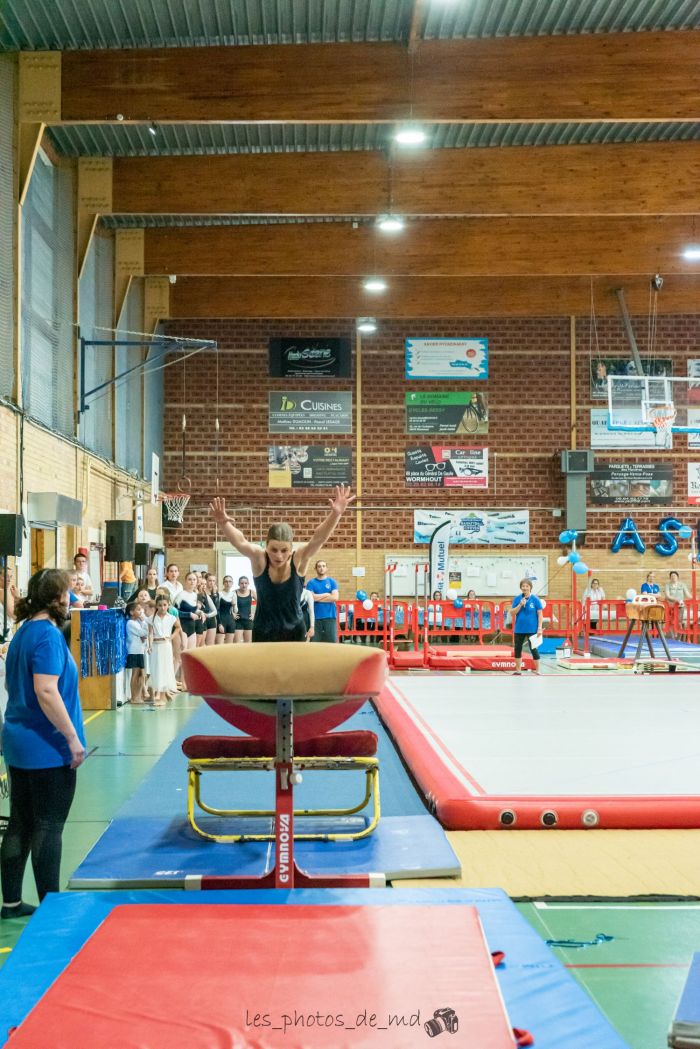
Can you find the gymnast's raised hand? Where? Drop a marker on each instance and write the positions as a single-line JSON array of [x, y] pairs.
[[342, 497]]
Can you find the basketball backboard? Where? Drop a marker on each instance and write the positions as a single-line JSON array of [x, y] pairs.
[[661, 404]]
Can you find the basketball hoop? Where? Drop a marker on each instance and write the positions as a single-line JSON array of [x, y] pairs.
[[175, 504], [662, 419]]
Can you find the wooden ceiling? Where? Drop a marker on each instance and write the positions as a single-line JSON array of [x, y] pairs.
[[522, 229]]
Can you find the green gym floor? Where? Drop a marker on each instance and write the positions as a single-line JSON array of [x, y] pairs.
[[635, 978]]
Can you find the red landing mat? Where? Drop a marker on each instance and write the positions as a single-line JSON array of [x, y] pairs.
[[265, 977]]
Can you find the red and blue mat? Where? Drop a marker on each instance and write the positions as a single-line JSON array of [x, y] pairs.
[[154, 975]]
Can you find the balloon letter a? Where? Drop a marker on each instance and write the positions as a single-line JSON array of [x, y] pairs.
[[628, 536]]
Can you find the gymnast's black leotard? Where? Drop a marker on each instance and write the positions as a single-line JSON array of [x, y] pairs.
[[278, 615]]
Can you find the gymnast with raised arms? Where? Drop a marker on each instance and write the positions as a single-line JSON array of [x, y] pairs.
[[279, 569]]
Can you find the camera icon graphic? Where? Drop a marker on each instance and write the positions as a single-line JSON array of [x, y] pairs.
[[444, 1019]]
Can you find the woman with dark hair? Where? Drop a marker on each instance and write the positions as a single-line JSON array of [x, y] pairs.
[[279, 569], [43, 740]]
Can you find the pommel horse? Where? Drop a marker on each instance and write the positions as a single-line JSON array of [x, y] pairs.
[[646, 610], [287, 698]]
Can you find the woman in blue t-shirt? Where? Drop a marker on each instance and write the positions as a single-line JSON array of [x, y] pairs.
[[527, 622], [43, 740]]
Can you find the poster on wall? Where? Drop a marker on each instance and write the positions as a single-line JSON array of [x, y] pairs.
[[632, 484], [298, 411], [434, 466], [308, 466], [602, 437], [477, 527], [602, 367], [694, 420], [694, 484], [453, 359], [294, 357], [445, 413]]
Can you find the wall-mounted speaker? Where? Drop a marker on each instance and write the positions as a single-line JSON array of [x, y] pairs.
[[11, 531], [119, 541], [142, 555]]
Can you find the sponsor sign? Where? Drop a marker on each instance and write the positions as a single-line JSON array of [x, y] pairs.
[[602, 437], [298, 411], [439, 554], [474, 527], [308, 466], [632, 484], [434, 466], [694, 484], [454, 359], [446, 413], [294, 357], [602, 367]]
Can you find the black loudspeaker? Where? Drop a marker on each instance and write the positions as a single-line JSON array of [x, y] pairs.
[[119, 543], [142, 555], [11, 530]]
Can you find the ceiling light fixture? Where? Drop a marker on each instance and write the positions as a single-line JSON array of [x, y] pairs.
[[153, 130], [374, 284], [410, 135], [367, 325], [390, 223], [692, 254]]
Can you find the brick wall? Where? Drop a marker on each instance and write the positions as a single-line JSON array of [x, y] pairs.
[[529, 423]]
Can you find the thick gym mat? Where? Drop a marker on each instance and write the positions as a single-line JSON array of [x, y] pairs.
[[539, 993], [527, 752], [146, 852], [300, 976]]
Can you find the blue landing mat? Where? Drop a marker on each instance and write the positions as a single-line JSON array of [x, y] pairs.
[[610, 646], [150, 842], [539, 993], [147, 852]]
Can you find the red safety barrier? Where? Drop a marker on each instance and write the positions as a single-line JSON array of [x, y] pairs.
[[474, 621]]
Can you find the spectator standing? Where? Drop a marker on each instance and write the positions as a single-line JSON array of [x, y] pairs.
[[527, 622], [325, 591], [43, 740], [80, 566], [595, 593], [676, 593], [649, 586], [308, 611]]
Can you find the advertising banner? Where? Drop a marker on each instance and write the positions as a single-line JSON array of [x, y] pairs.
[[434, 466], [294, 357], [439, 556], [632, 484], [447, 359], [602, 437], [308, 466], [298, 411], [446, 413], [694, 484], [601, 367], [474, 527]]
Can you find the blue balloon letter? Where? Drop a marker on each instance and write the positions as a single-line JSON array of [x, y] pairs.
[[669, 544], [628, 536]]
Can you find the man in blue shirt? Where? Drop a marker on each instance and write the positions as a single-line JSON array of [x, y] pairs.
[[325, 591], [527, 622]]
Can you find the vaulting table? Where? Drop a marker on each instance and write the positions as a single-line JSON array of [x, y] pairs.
[[282, 694]]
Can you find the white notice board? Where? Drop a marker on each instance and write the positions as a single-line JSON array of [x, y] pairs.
[[497, 575]]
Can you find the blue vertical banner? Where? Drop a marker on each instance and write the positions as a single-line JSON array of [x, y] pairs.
[[439, 556]]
